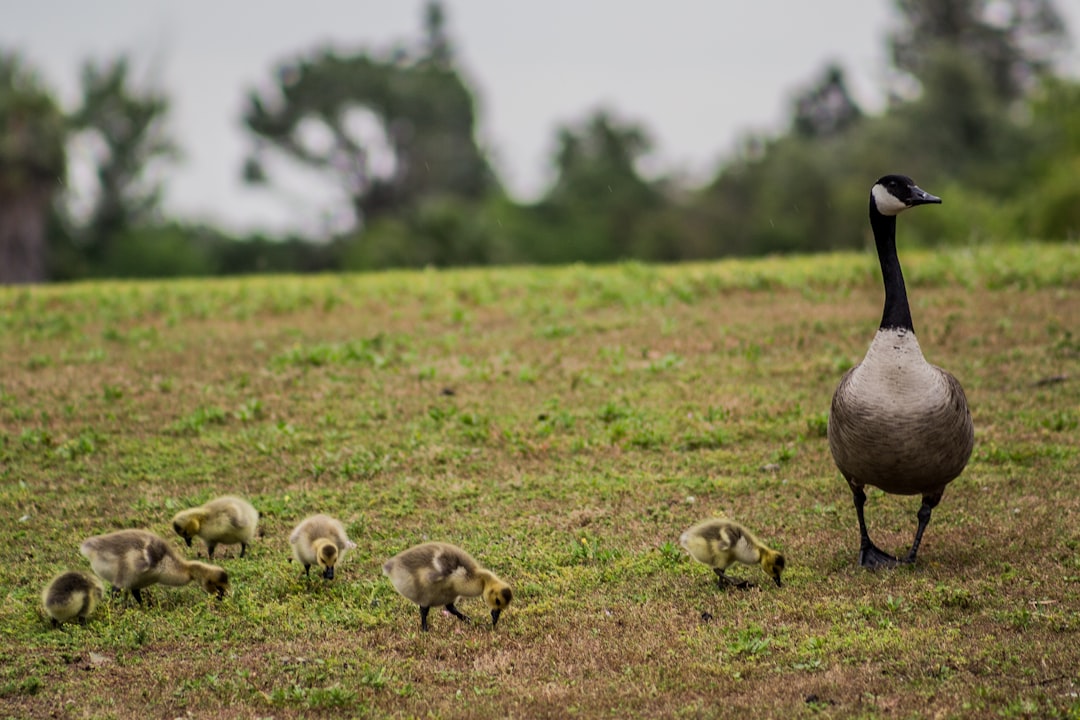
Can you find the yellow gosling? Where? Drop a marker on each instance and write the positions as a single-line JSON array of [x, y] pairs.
[[71, 595], [225, 520], [720, 542], [320, 540], [437, 573], [134, 559]]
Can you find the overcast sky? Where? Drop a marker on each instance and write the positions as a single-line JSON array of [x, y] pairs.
[[695, 73]]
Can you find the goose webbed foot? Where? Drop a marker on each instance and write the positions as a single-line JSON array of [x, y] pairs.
[[872, 557]]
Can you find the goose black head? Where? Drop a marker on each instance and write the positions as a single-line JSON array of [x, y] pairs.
[[893, 194]]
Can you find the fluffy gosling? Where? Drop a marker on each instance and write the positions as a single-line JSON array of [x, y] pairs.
[[320, 540], [437, 573], [720, 542], [225, 520], [133, 559], [71, 595]]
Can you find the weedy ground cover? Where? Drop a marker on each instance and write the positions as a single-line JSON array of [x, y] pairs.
[[564, 425]]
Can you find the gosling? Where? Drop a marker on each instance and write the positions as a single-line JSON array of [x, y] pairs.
[[133, 559], [225, 520], [71, 595], [320, 540], [720, 542], [437, 573]]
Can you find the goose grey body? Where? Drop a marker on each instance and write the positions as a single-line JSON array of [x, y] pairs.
[[135, 559], [897, 422], [71, 595]]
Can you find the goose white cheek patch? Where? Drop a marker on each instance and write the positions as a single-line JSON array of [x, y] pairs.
[[886, 202]]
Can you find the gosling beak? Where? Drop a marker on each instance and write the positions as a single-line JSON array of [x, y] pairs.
[[921, 197], [776, 579], [188, 541], [221, 593], [495, 617], [328, 574]]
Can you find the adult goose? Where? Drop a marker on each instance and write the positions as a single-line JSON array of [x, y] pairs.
[[897, 422]]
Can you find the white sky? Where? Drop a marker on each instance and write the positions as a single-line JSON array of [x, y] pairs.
[[695, 73]]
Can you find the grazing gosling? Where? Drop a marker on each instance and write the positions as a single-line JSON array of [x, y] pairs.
[[320, 540], [437, 573], [225, 520], [720, 542], [133, 559], [71, 595]]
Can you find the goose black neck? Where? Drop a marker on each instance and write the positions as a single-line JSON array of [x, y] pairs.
[[897, 312]]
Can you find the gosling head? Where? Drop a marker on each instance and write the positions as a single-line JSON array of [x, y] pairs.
[[772, 563], [186, 526], [893, 194], [214, 580], [497, 595], [326, 553]]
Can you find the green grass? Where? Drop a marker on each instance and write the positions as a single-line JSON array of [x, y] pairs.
[[564, 425]]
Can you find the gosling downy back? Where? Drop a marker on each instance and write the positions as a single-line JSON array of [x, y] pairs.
[[437, 573], [134, 559], [320, 540], [227, 520], [71, 595], [720, 542]]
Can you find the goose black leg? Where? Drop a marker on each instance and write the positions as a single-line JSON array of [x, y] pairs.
[[137, 594], [423, 618], [928, 504], [870, 555], [456, 613], [243, 549]]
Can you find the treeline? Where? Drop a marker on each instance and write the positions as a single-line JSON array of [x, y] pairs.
[[977, 113]]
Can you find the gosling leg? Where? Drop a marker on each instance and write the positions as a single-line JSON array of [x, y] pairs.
[[870, 555], [456, 613], [423, 618], [243, 549], [723, 581]]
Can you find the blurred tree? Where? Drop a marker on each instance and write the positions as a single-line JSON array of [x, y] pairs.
[[32, 168], [390, 131], [127, 126], [1016, 41], [826, 109], [598, 200]]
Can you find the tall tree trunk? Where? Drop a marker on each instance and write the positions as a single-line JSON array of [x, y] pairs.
[[22, 234]]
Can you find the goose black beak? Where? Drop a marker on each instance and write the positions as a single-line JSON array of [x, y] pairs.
[[776, 579], [495, 617], [188, 541], [921, 197], [328, 574]]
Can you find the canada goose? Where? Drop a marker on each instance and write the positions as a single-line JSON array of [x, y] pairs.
[[225, 520], [320, 540], [134, 559], [720, 542], [897, 422], [71, 595], [436, 573]]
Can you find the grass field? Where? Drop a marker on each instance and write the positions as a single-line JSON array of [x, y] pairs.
[[563, 425]]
